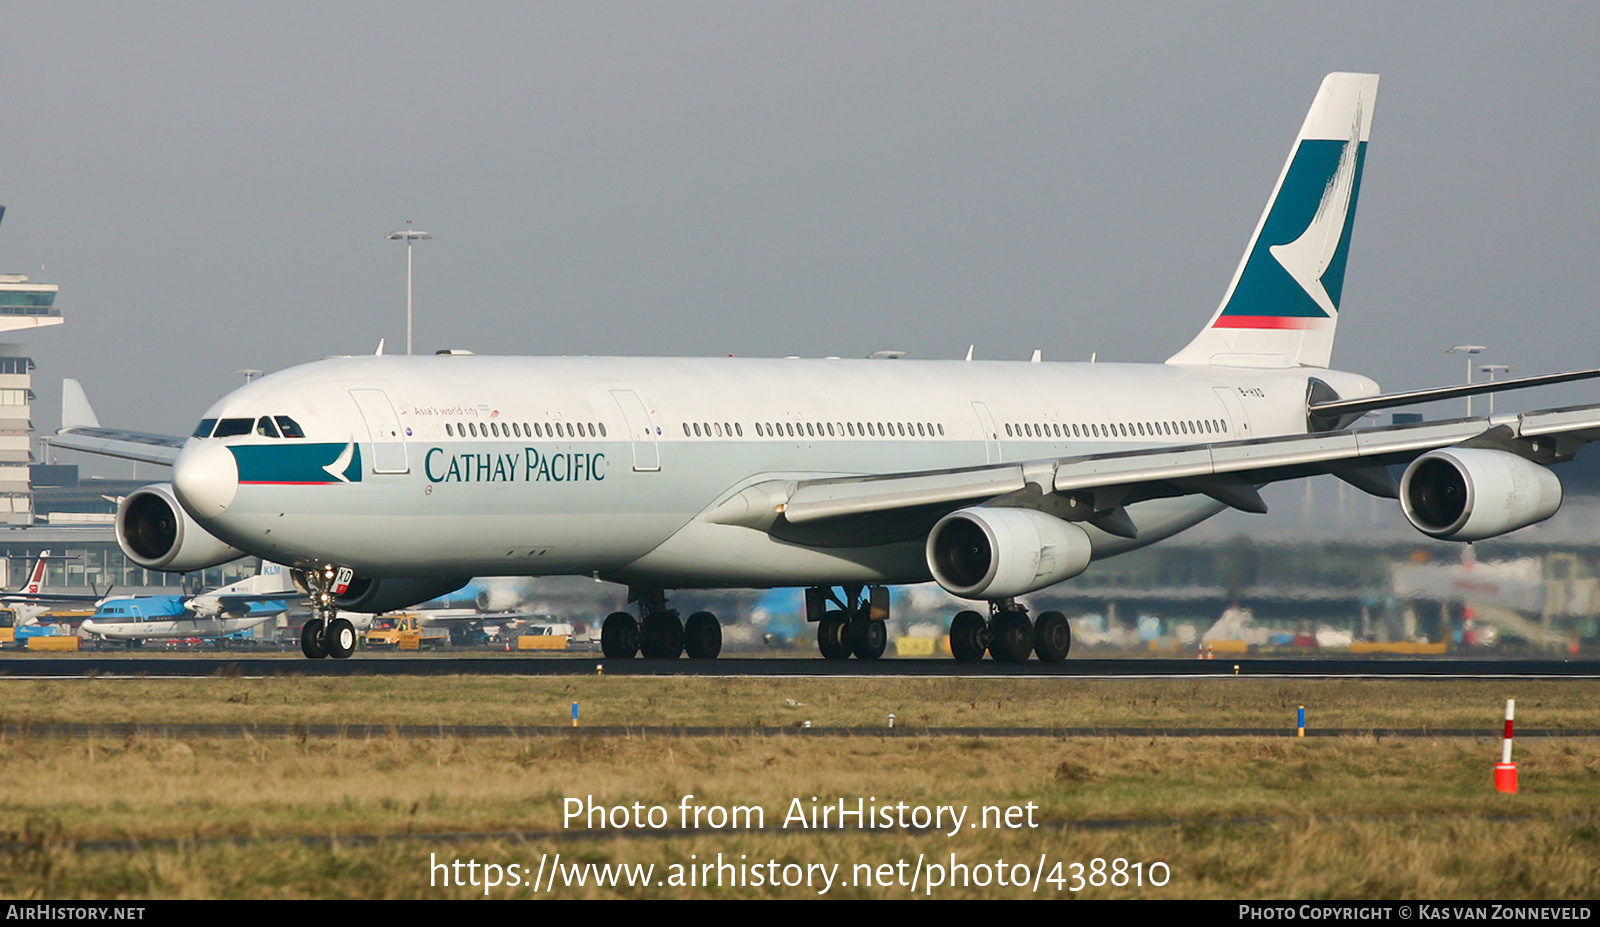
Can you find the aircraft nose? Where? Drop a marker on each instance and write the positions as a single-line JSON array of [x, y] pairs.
[[205, 477]]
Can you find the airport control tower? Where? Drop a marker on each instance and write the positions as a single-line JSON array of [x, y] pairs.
[[23, 305]]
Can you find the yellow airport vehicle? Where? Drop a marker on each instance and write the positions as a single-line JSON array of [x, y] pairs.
[[403, 632], [545, 637]]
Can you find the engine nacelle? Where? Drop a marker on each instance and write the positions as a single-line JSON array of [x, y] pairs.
[[387, 594], [997, 553], [157, 534], [1469, 493]]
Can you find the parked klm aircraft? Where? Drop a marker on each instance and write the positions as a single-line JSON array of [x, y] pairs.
[[237, 607], [389, 480]]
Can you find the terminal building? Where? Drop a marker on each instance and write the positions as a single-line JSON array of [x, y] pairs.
[[45, 506]]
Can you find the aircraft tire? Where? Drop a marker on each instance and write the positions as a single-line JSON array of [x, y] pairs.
[[341, 639], [662, 637], [311, 640], [1013, 637], [702, 636], [868, 638], [619, 636], [967, 634], [1052, 637], [830, 637]]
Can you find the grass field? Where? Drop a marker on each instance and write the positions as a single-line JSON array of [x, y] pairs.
[[1252, 817]]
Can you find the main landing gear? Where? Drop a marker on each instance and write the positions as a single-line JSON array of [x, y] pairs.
[[851, 624], [659, 634], [326, 634], [1009, 636]]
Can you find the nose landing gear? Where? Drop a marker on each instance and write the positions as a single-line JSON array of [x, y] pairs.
[[326, 634]]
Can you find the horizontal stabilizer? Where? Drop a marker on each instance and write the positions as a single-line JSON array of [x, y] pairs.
[[1338, 408]]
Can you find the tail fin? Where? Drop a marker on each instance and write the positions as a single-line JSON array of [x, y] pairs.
[[36, 578], [1282, 307]]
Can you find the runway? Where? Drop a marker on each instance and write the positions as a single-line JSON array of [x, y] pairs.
[[19, 665]]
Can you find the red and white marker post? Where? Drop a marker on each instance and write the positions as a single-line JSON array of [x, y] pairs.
[[1505, 771]]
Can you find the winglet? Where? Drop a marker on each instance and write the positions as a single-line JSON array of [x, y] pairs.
[[75, 410]]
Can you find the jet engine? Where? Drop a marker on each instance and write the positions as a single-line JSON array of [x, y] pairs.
[[1468, 494], [387, 594], [997, 553], [157, 534]]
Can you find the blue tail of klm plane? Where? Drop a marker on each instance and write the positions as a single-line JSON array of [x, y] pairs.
[[1282, 307]]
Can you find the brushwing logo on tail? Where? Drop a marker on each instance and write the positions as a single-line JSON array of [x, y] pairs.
[[1296, 271]]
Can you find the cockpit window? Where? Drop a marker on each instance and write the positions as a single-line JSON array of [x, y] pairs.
[[291, 428], [203, 430], [230, 427], [266, 429]]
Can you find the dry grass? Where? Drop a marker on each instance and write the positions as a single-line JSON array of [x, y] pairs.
[[633, 700], [1234, 818]]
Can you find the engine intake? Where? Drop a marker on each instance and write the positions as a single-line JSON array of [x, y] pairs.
[[997, 553], [157, 534], [1468, 494]]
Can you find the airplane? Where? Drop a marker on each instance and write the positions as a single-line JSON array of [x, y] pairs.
[[388, 480], [237, 607], [30, 603]]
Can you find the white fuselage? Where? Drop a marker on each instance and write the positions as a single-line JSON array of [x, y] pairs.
[[162, 629], [627, 454]]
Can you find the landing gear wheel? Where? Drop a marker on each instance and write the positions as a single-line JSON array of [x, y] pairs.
[[1013, 637], [968, 637], [830, 637], [311, 639], [662, 637], [340, 641], [868, 638], [702, 636], [619, 636], [1052, 637]]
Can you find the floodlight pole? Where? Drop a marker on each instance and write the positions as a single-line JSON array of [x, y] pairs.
[[1491, 370], [1469, 350], [408, 236]]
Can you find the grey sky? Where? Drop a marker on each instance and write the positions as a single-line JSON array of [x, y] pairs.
[[210, 183]]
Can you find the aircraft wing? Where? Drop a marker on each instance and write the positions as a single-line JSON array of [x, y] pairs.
[[239, 603], [129, 445], [81, 431], [1095, 487], [42, 598]]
